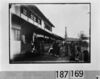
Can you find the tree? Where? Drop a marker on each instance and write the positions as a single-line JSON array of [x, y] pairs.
[[83, 40], [82, 36]]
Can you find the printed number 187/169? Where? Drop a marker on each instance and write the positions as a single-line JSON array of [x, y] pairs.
[[73, 74]]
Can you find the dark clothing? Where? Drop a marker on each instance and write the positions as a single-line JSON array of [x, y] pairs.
[[37, 45], [86, 56], [72, 51], [56, 49]]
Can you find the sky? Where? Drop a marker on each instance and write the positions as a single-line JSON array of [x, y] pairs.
[[73, 16]]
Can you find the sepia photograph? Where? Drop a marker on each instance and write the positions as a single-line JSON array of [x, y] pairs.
[[49, 33]]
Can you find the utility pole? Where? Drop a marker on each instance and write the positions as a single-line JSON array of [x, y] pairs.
[[65, 33]]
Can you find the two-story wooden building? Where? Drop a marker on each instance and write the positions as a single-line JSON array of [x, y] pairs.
[[25, 22]]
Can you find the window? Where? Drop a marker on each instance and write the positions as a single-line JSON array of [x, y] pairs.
[[32, 17], [39, 21], [36, 19], [29, 14], [24, 11], [16, 34], [48, 27]]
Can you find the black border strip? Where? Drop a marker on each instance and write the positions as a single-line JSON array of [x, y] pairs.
[[9, 31], [54, 3], [90, 31]]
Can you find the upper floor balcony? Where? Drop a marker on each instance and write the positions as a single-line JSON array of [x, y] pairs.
[[31, 17]]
